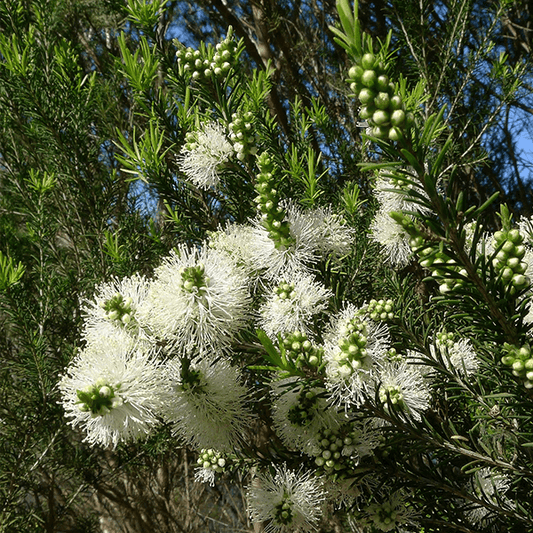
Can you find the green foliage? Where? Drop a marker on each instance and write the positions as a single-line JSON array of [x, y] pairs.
[[98, 111]]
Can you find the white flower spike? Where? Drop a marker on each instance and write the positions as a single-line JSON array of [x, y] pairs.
[[288, 502], [200, 160], [114, 390]]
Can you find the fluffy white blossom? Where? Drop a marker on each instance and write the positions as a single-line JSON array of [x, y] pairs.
[[354, 349], [315, 233], [458, 356], [114, 305], [234, 240], [323, 230], [384, 229], [389, 513], [200, 161], [288, 502], [207, 407], [489, 486], [392, 237], [300, 412], [198, 300], [403, 387], [291, 305], [114, 390]]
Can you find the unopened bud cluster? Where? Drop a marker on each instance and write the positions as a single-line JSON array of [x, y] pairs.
[[381, 106], [272, 215], [302, 413], [444, 269], [242, 135], [118, 309], [353, 355], [445, 340], [98, 399], [380, 310], [285, 291], [334, 456], [205, 63], [508, 259], [283, 513], [394, 356], [193, 279], [391, 395], [520, 360], [301, 352], [211, 460], [384, 516]]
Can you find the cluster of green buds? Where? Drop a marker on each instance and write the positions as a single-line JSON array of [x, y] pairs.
[[445, 340], [384, 515], [394, 356], [193, 279], [99, 399], [391, 395], [353, 355], [190, 379], [381, 104], [191, 141], [272, 215], [508, 261], [520, 360], [118, 309], [302, 413], [211, 460], [285, 290], [283, 513], [444, 268], [242, 135], [301, 352], [209, 61], [379, 310], [334, 454]]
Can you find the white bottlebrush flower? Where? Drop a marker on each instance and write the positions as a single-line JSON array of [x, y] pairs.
[[291, 305], [201, 159], [392, 237], [198, 300], [114, 305], [300, 412], [323, 230], [270, 261], [489, 486], [288, 502], [315, 233], [390, 513], [384, 229], [234, 240], [458, 356], [364, 437], [403, 387], [114, 390], [525, 226], [353, 351], [207, 407]]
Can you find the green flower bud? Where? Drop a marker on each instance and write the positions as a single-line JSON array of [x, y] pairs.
[[369, 78], [368, 61]]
